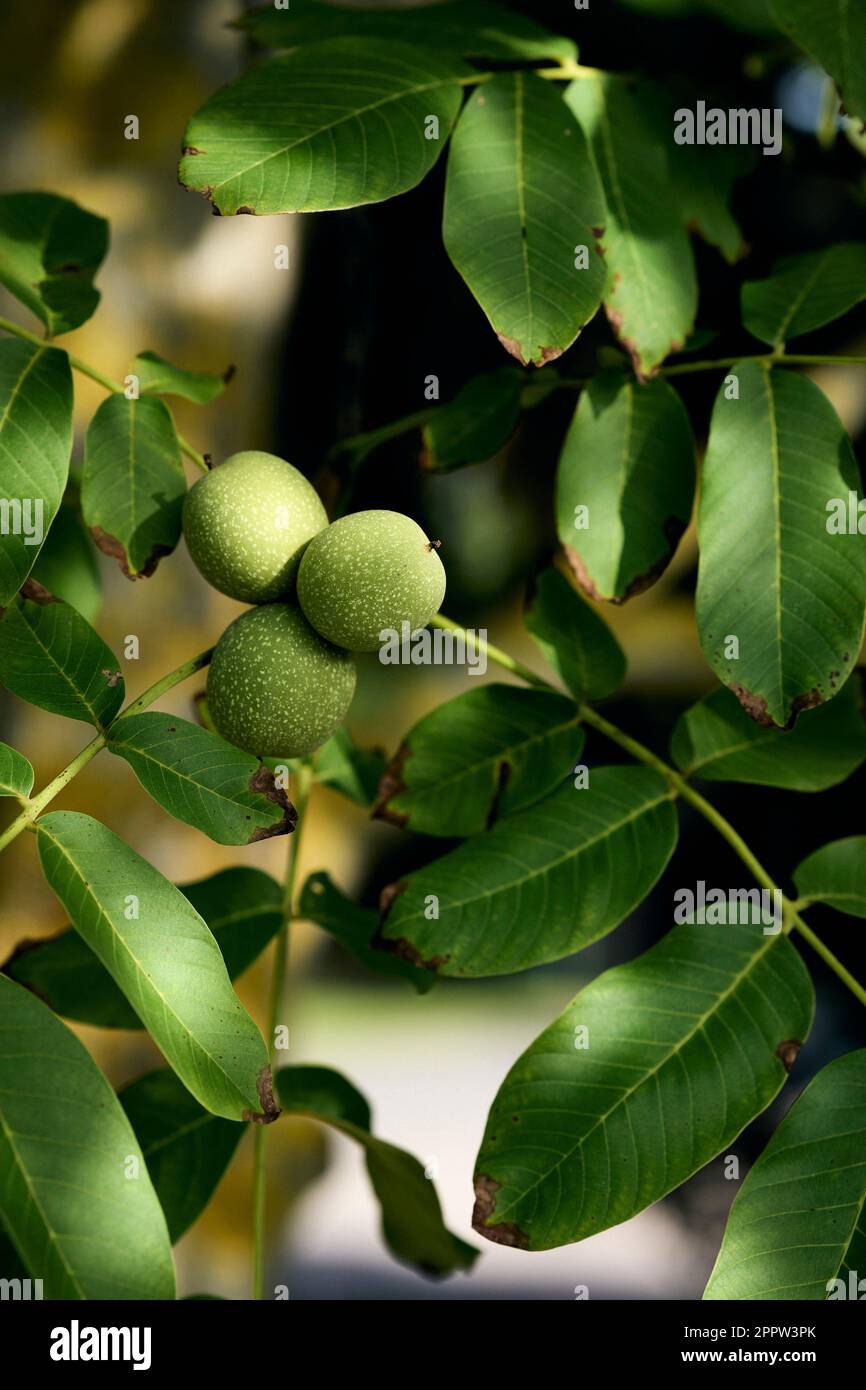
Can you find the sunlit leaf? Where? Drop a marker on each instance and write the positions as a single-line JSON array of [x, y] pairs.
[[653, 1069], [164, 959], [355, 928], [540, 885], [52, 658], [80, 1216], [579, 646], [50, 250], [334, 125], [805, 292], [836, 874], [161, 378]]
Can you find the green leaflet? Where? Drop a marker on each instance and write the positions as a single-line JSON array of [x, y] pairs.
[[771, 575], [355, 928], [653, 1069], [796, 1228], [81, 1217], [133, 483], [480, 757], [836, 874], [351, 770], [241, 908], [66, 565], [540, 885], [50, 250], [158, 377], [334, 125], [412, 1222], [651, 295], [624, 485], [805, 292], [474, 28], [16, 774], [164, 959], [186, 1149], [202, 780], [716, 740], [35, 444], [834, 34], [52, 658], [522, 196], [476, 424], [578, 645]]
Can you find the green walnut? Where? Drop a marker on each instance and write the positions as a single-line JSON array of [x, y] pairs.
[[275, 687], [247, 524], [369, 573]]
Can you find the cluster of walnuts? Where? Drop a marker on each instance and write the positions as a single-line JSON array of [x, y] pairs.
[[282, 674]]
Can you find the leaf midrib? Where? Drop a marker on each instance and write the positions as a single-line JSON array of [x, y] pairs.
[[697, 1027], [118, 936]]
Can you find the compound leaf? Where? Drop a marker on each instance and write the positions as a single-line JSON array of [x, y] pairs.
[[780, 600], [653, 1069], [540, 885], [76, 1218]]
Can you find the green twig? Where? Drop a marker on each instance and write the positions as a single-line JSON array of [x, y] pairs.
[[108, 383], [679, 785], [37, 804], [278, 989]]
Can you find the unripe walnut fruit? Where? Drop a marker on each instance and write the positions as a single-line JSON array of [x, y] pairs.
[[275, 687], [247, 524], [367, 573]]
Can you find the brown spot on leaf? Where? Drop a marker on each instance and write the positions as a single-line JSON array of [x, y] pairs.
[[36, 592], [673, 529], [631, 347], [270, 1110], [391, 784], [113, 677], [756, 706], [505, 1233], [401, 947], [249, 212], [389, 895], [548, 354], [111, 546], [229, 373], [264, 782], [788, 1051], [191, 149], [514, 347]]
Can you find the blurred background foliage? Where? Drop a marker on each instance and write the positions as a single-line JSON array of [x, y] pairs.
[[339, 343]]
